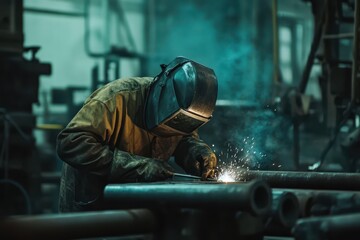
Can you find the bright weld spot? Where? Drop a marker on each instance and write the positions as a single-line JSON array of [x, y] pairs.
[[226, 177], [235, 158]]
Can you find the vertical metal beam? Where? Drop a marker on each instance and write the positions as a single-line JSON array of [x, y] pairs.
[[314, 46], [150, 26], [355, 90], [275, 26], [319, 27], [296, 144]]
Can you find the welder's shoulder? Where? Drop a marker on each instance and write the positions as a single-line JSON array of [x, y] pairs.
[[127, 84], [120, 87]]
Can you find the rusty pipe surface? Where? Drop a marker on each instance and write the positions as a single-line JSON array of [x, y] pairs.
[[305, 180], [78, 225], [254, 196], [329, 227]]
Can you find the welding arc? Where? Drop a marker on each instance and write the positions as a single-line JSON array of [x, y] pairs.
[[253, 197]]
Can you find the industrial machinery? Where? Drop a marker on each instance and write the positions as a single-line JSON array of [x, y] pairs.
[[335, 48], [19, 175]]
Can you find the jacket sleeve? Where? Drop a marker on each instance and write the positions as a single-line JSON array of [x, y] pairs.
[[87, 145], [84, 143], [188, 150]]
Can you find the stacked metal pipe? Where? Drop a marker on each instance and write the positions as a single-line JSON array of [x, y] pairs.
[[79, 225], [254, 196]]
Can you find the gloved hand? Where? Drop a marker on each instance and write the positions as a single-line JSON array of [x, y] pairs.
[[128, 167], [154, 170], [200, 161]]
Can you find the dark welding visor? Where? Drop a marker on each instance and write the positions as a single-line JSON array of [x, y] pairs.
[[181, 98]]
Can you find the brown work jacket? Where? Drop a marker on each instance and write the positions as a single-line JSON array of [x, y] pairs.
[[111, 119]]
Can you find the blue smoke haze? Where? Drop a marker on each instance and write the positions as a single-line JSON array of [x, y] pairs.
[[224, 36], [216, 35]]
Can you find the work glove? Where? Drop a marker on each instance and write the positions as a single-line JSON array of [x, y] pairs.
[[154, 170], [199, 161], [128, 167]]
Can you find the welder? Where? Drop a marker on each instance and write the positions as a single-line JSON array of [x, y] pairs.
[[127, 130]]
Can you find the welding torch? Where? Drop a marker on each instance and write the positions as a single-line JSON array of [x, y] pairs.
[[187, 177]]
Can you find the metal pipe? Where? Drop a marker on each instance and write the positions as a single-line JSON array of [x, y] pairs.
[[285, 209], [306, 200], [324, 202], [305, 180], [54, 12], [331, 227], [253, 197], [285, 213], [338, 36], [78, 225]]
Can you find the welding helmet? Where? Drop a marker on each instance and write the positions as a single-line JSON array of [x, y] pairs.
[[181, 98]]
